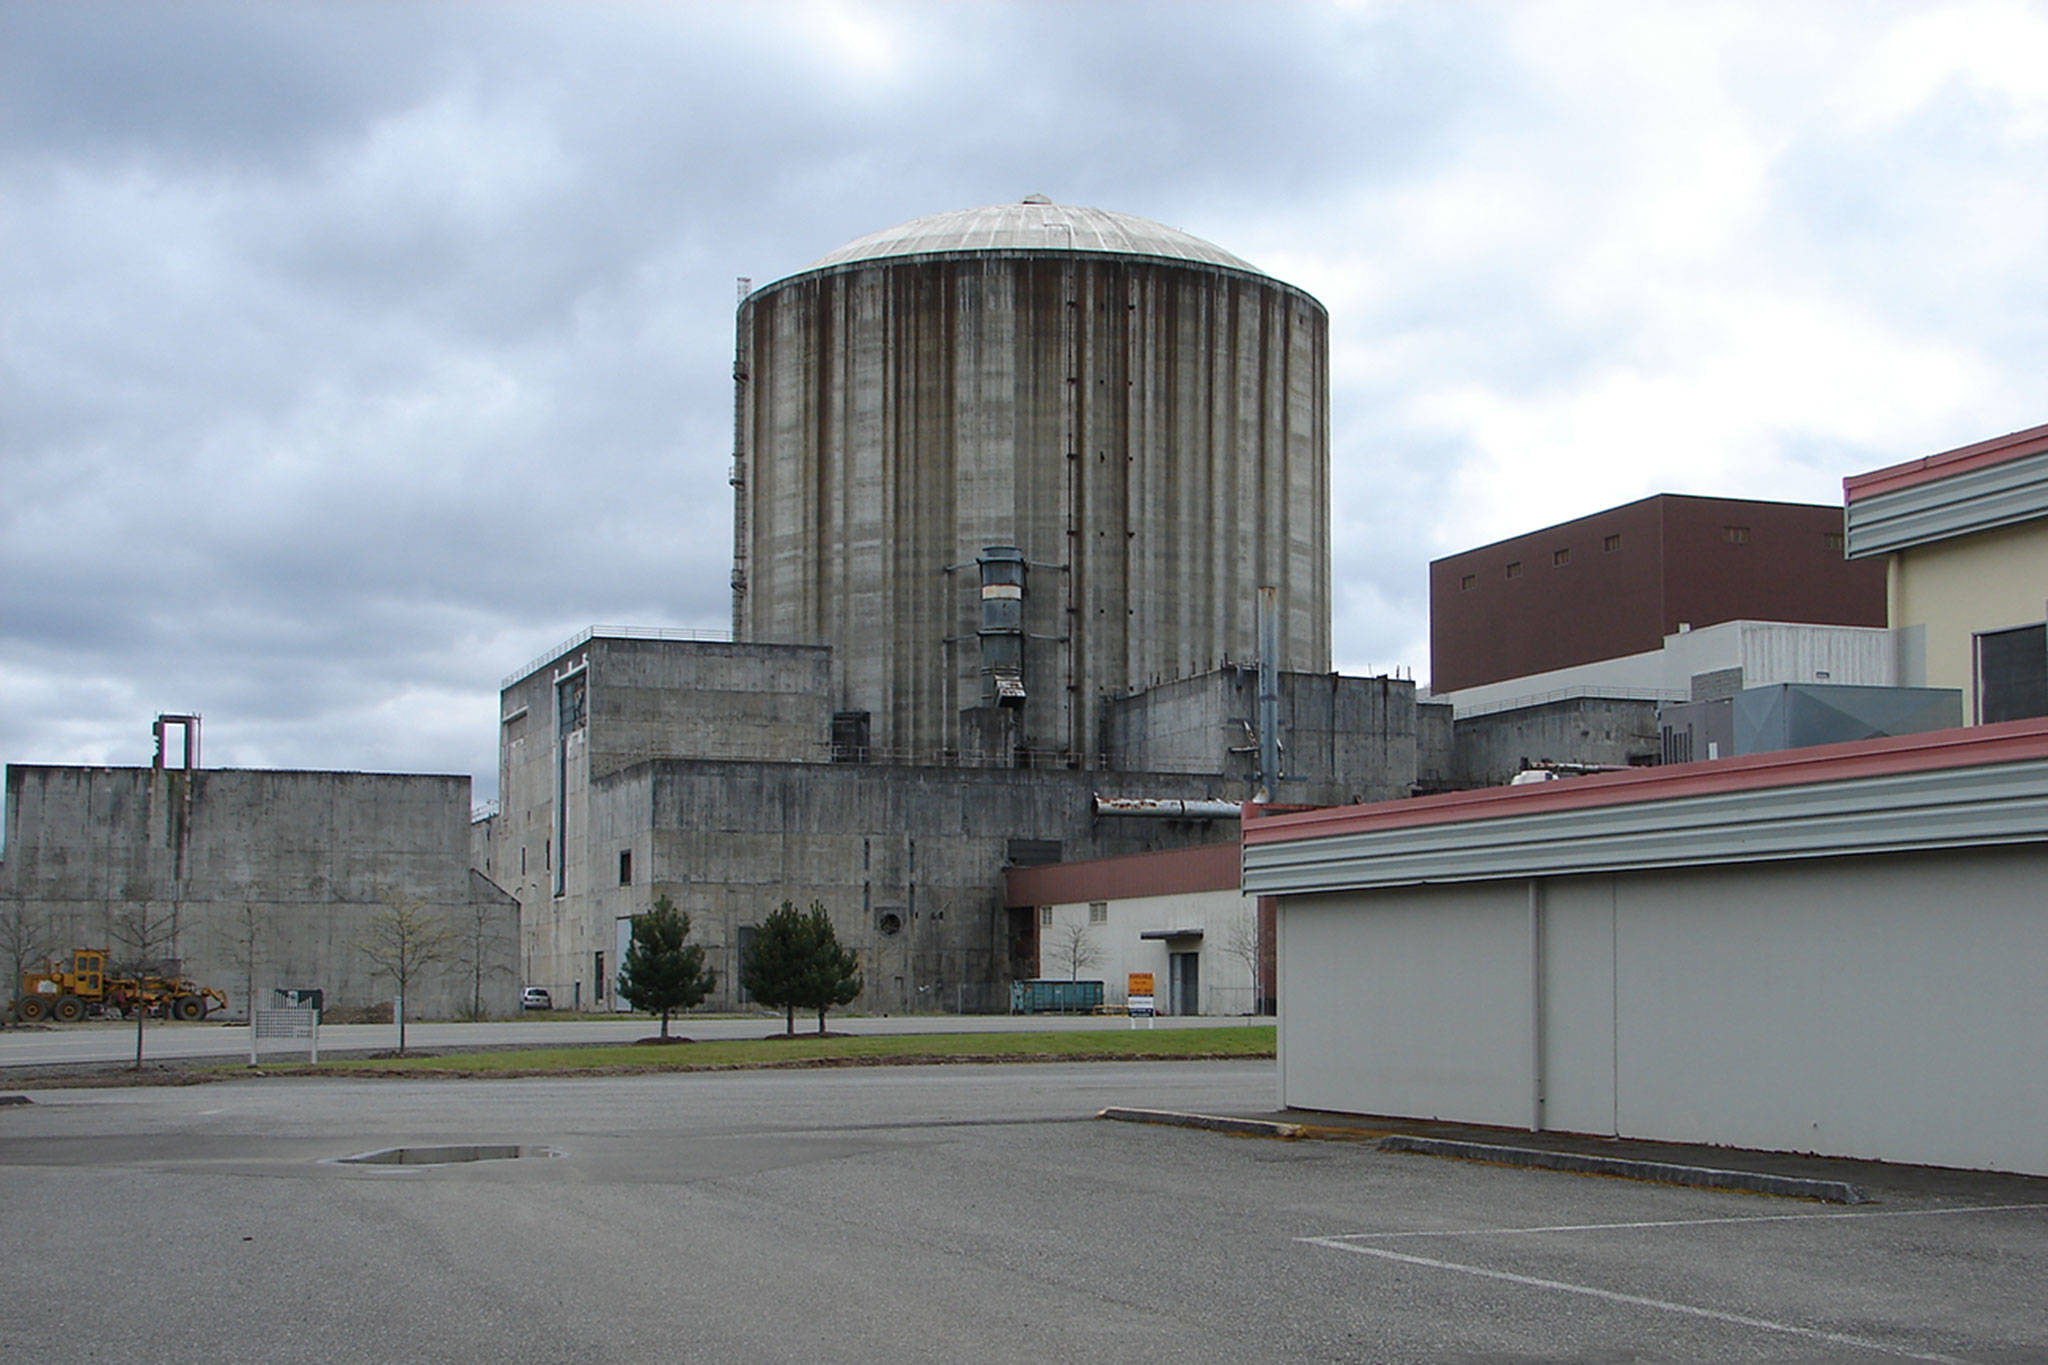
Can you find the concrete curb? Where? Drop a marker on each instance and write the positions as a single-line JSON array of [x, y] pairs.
[[1213, 1123], [1580, 1163], [1665, 1173]]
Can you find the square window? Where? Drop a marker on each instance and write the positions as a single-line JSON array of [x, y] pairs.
[[1834, 541], [1098, 912], [1611, 544], [1560, 557], [1735, 535], [2012, 674], [1515, 568], [1468, 582]]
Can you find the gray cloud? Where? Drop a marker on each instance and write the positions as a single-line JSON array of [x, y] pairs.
[[355, 354]]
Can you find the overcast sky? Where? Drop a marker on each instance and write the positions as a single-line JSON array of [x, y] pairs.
[[353, 354]]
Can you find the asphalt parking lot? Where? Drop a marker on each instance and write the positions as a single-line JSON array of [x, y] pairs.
[[931, 1214]]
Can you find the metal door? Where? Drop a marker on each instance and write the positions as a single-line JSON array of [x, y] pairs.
[[1184, 982]]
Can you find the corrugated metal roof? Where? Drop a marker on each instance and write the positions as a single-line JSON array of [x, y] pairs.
[[1954, 788], [2011, 446], [1034, 224], [1956, 502]]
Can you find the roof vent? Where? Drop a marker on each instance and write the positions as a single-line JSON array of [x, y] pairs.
[[1037, 199]]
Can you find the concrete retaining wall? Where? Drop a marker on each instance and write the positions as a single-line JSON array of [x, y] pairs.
[[297, 863]]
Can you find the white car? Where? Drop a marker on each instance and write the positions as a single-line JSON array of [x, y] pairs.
[[536, 998]]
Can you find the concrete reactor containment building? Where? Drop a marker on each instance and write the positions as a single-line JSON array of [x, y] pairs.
[[1010, 461], [1011, 485]]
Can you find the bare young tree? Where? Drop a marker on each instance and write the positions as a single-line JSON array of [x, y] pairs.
[[243, 948], [143, 945], [24, 942], [1242, 943], [404, 942], [1073, 947], [479, 954]]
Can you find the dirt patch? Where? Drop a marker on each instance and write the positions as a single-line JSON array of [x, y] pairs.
[[361, 1014]]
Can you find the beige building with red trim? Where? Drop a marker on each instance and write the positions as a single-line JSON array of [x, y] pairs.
[[1965, 538]]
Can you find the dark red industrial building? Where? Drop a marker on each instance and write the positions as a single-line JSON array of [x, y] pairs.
[[1617, 582]]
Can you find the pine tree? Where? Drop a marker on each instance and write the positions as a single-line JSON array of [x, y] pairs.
[[662, 972], [796, 962], [833, 977]]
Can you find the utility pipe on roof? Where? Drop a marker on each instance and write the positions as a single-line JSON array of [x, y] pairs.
[[1168, 808]]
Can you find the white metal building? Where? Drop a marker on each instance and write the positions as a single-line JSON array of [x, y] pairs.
[[1177, 915], [1838, 950]]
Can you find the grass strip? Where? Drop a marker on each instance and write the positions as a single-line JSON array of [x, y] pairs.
[[736, 1054]]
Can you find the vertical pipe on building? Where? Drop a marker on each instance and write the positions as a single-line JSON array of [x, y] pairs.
[[1070, 346], [740, 520], [1536, 1021], [1269, 692]]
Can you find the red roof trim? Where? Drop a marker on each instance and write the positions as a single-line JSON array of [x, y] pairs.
[[1997, 450], [1171, 872], [1974, 746]]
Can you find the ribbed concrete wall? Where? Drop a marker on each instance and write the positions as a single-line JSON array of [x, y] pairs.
[[1153, 434], [291, 869], [1341, 739]]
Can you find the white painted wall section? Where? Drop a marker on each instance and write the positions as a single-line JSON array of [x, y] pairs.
[[1220, 918], [1888, 1006]]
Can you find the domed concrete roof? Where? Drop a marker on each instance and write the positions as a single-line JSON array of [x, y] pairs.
[[1035, 224]]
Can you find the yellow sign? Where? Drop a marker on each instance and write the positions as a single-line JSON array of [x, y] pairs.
[[1141, 984]]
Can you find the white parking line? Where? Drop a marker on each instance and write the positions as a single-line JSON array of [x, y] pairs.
[[1672, 1223], [1611, 1296]]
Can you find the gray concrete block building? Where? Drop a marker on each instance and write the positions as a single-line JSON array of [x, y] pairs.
[[593, 827], [1009, 485], [267, 876]]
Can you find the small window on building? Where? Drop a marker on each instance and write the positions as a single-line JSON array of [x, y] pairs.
[[1468, 582], [1515, 568], [2012, 674], [571, 708], [1611, 544], [1098, 912], [1560, 557], [625, 867], [850, 736], [1045, 917], [1033, 852], [1735, 535], [1834, 539]]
